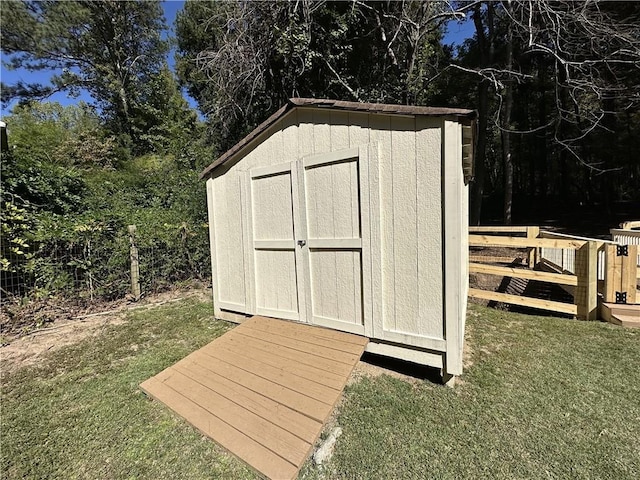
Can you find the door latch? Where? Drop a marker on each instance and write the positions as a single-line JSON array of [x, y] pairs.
[[302, 243]]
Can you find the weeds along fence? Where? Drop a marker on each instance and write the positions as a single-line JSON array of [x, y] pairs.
[[94, 262]]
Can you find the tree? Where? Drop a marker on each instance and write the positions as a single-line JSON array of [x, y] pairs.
[[241, 60], [109, 48], [558, 74]]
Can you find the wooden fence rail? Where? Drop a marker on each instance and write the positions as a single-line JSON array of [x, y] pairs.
[[582, 281]]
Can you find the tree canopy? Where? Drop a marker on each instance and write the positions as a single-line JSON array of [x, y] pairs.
[[556, 83], [242, 60], [111, 49]]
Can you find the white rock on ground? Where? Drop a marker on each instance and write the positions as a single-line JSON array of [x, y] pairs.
[[324, 451]]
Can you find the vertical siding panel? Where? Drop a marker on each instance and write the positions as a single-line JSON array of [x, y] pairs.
[[312, 202], [247, 241], [324, 300], [344, 210], [429, 217], [305, 133], [455, 237], [258, 289], [290, 138], [405, 242], [229, 235], [213, 244], [321, 131], [270, 151], [384, 283], [226, 293], [340, 173], [272, 208], [342, 219], [359, 134], [289, 149], [221, 234], [339, 130], [245, 164], [358, 129], [265, 280], [358, 137], [281, 279], [346, 292]]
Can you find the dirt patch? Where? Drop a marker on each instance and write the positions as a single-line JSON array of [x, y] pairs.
[[24, 350]]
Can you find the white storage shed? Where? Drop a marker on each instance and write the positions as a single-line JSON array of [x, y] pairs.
[[350, 216]]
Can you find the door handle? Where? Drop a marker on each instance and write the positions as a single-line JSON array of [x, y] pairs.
[[302, 243]]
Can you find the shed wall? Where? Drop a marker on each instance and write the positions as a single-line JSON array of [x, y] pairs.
[[407, 175]]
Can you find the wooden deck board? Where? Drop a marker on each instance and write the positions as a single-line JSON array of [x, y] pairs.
[[262, 390], [320, 351], [306, 365], [306, 358], [273, 359]]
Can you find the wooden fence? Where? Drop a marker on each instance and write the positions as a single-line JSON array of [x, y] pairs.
[[591, 270], [582, 280]]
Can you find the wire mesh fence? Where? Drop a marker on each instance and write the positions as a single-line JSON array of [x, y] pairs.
[[95, 263]]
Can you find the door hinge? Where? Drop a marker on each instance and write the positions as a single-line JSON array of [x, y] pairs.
[[622, 250]]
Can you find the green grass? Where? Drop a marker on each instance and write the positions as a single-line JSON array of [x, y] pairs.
[[80, 413], [544, 398]]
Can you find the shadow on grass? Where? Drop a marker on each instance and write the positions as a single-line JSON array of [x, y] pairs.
[[410, 369]]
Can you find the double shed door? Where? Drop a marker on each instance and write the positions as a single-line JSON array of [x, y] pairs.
[[308, 235]]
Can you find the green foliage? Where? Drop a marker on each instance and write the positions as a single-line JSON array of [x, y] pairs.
[[66, 207], [72, 135]]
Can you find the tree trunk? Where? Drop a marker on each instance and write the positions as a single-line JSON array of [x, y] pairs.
[[477, 189], [506, 135], [487, 48]]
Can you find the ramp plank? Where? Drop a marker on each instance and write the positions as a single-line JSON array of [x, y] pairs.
[[262, 390]]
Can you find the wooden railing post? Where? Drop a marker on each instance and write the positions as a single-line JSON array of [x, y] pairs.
[[534, 256], [586, 293], [135, 264], [620, 273]]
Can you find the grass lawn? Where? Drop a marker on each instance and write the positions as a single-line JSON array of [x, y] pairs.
[[543, 398], [80, 414]]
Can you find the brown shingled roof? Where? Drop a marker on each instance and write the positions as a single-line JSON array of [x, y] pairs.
[[334, 105]]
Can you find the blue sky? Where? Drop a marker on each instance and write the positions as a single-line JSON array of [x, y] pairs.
[[456, 33]]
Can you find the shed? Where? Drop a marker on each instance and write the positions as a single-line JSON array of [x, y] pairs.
[[350, 216]]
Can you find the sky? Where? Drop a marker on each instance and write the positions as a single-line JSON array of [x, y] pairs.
[[456, 33]]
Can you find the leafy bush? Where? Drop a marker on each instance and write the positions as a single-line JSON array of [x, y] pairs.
[[68, 197]]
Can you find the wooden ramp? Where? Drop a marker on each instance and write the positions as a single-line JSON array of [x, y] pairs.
[[262, 390]]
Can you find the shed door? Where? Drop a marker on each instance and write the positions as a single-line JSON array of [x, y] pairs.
[[331, 194], [277, 282]]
